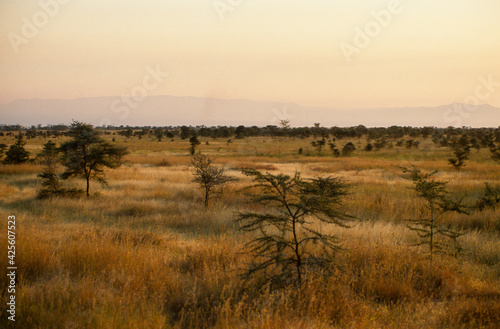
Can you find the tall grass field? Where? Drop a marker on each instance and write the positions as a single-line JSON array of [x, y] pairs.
[[144, 251]]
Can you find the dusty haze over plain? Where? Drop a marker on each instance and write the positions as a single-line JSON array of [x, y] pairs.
[[336, 54]]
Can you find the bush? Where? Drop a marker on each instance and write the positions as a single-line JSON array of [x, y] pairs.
[[430, 230], [16, 153], [290, 241], [348, 149], [209, 177]]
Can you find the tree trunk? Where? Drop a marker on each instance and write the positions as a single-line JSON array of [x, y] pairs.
[[88, 186], [207, 195], [298, 258], [432, 232]]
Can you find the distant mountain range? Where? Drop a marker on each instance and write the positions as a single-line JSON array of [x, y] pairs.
[[173, 111]]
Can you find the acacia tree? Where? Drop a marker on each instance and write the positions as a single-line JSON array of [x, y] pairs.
[[194, 142], [439, 202], [293, 212], [49, 158], [87, 154], [334, 149], [461, 150], [209, 177], [319, 144], [489, 199], [240, 132], [16, 154], [348, 149], [380, 143], [158, 132], [461, 154]]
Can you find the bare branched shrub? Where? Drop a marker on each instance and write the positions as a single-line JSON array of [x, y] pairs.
[[461, 151], [289, 239], [489, 199], [439, 202], [209, 177], [49, 158]]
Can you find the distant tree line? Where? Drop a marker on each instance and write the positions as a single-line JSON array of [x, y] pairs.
[[479, 137], [460, 140]]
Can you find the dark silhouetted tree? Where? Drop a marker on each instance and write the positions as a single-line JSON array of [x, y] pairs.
[[209, 177], [127, 132], [461, 150], [194, 142], [240, 132], [333, 148], [16, 153], [489, 199], [185, 132], [431, 231], [285, 124], [87, 154], [49, 158], [158, 132], [348, 149], [319, 144], [380, 143], [289, 240]]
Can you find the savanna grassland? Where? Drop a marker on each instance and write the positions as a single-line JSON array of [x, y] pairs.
[[143, 252]]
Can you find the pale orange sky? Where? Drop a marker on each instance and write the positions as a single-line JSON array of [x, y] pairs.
[[430, 53]]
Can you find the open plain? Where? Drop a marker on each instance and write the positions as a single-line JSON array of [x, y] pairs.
[[144, 252]]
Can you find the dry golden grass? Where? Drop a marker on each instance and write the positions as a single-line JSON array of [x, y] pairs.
[[144, 253], [22, 169]]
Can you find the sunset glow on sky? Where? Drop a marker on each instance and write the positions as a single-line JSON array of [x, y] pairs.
[[422, 53]]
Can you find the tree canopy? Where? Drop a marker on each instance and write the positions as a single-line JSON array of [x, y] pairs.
[[87, 154], [16, 153]]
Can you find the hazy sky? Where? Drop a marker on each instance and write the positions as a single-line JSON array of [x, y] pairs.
[[335, 53]]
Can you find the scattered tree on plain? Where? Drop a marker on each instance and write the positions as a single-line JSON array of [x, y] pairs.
[[209, 177], [194, 142], [380, 143], [334, 149], [318, 144], [412, 144], [127, 132], [240, 132], [185, 132], [49, 158], [285, 124], [87, 154], [290, 241], [461, 150], [16, 153], [348, 149], [430, 229], [489, 199], [158, 133]]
